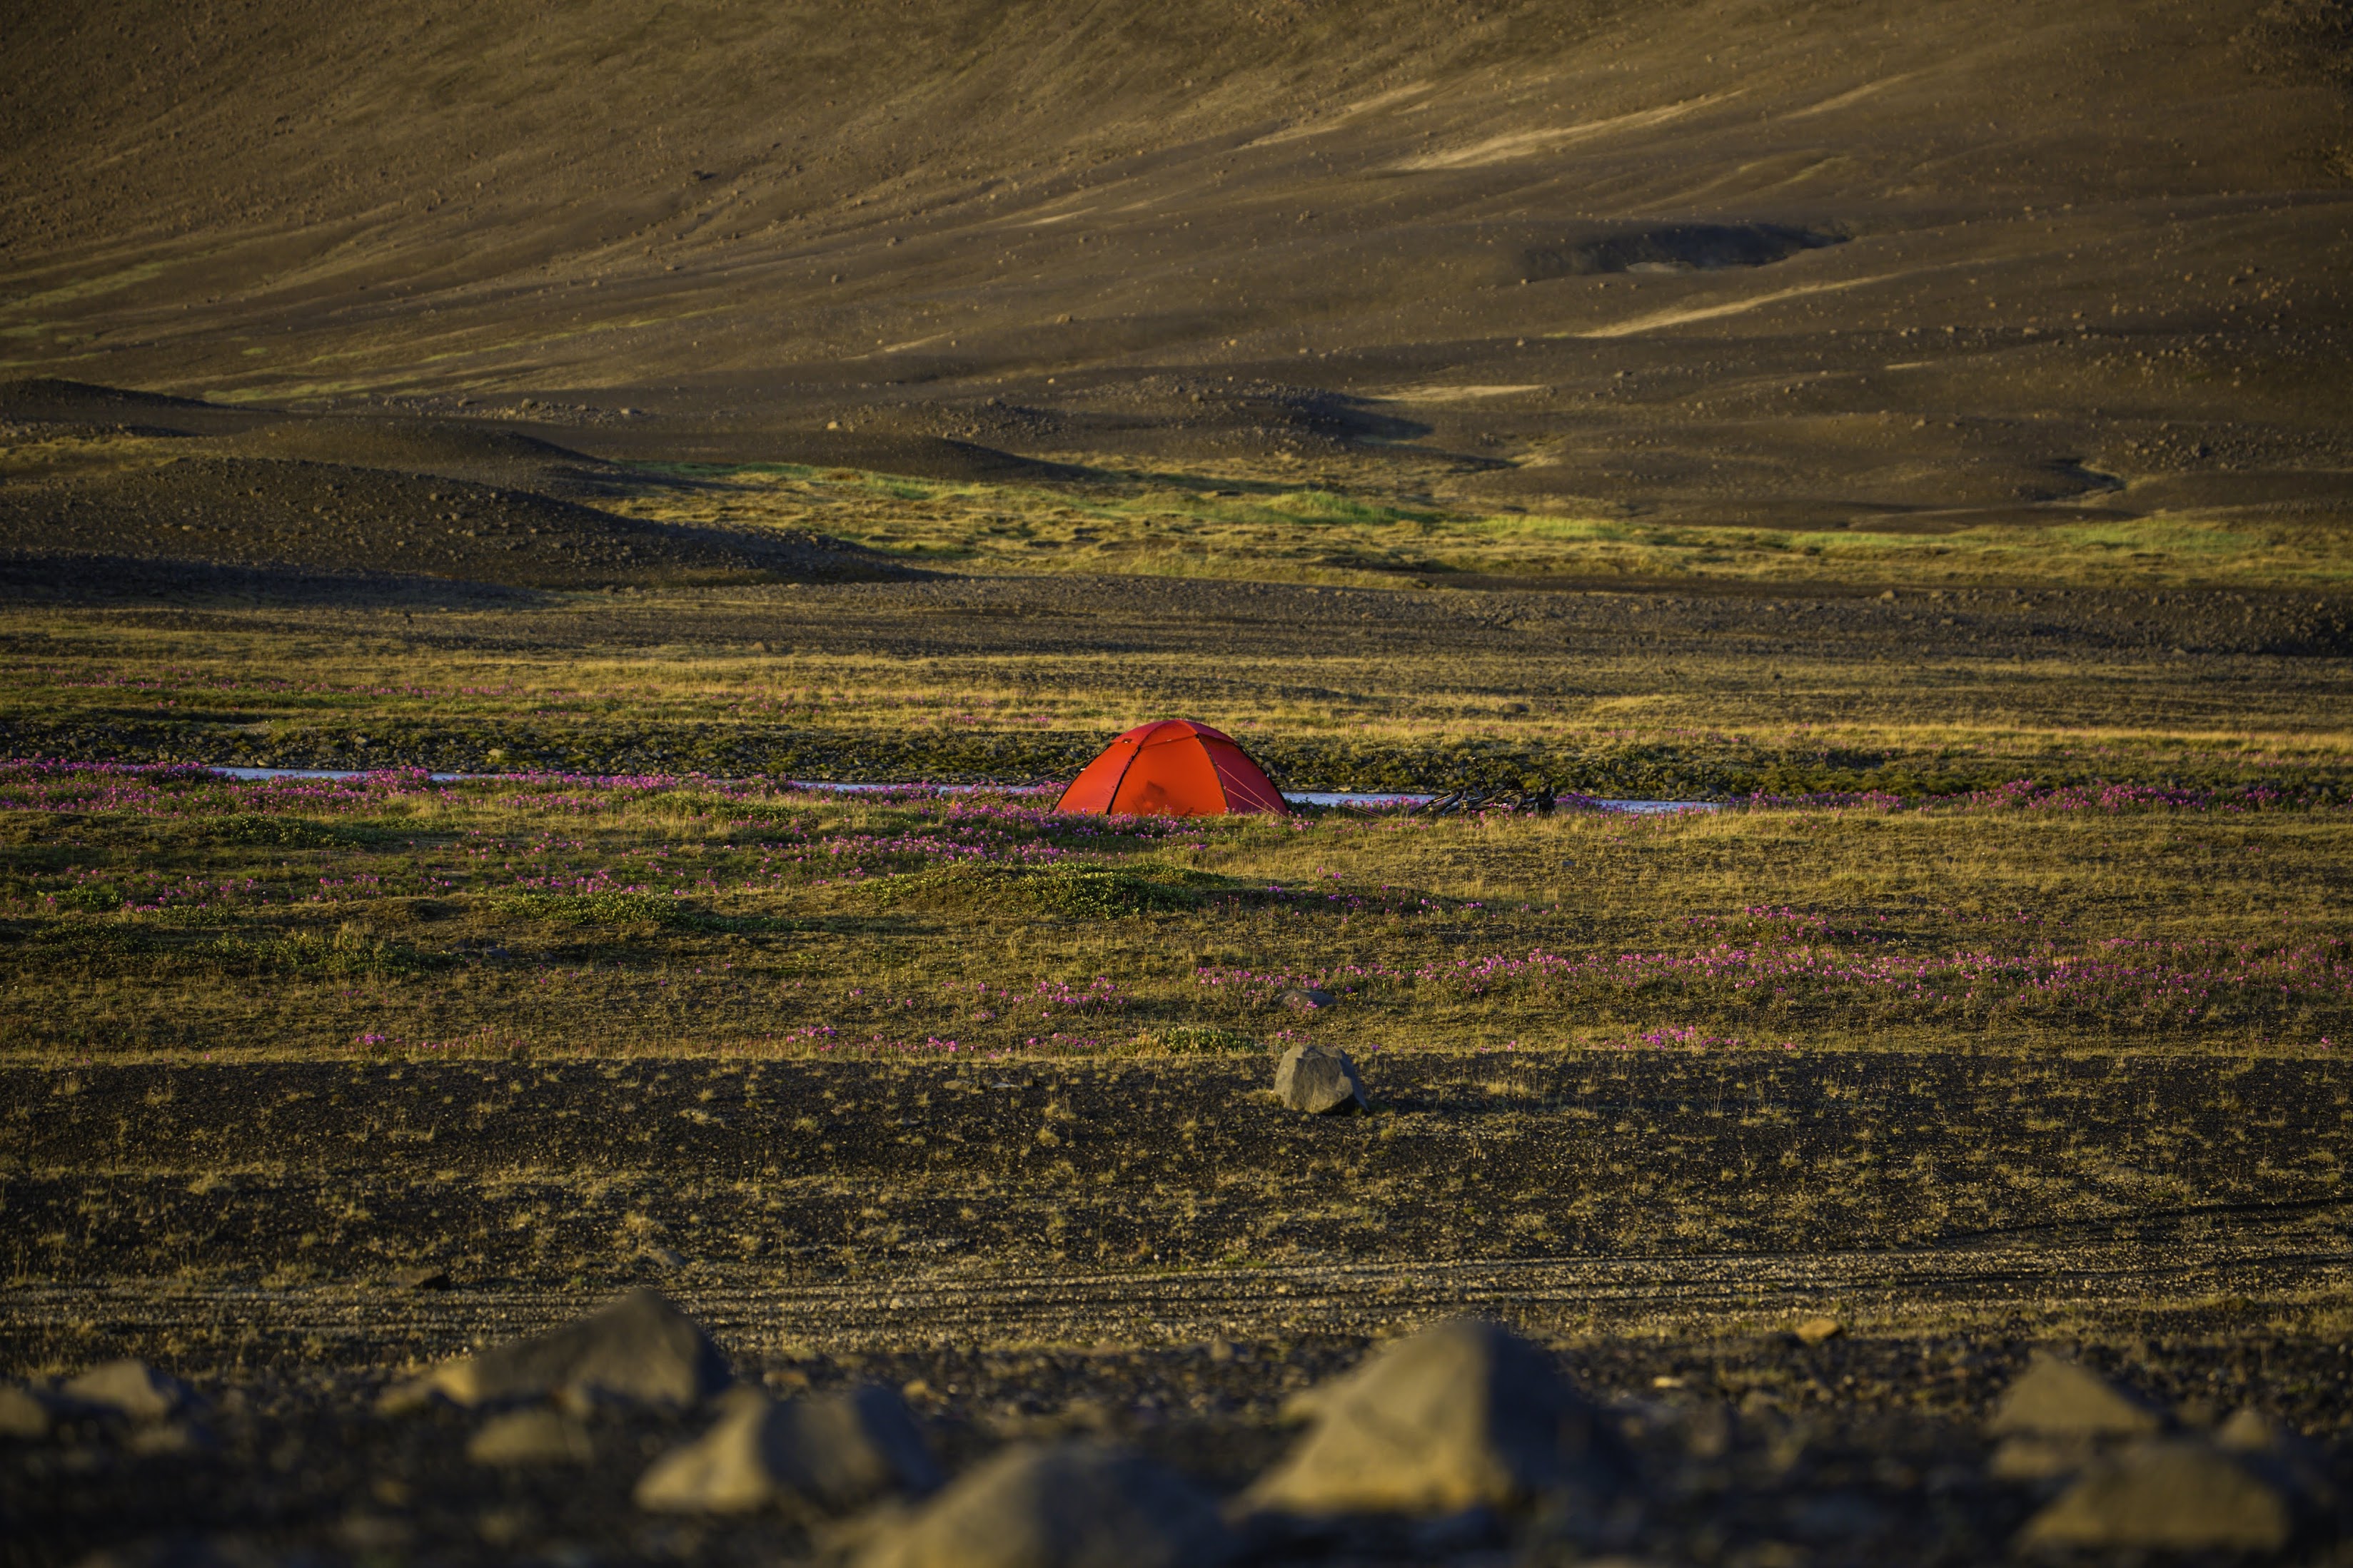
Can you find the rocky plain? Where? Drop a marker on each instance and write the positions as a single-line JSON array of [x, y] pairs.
[[1907, 444]]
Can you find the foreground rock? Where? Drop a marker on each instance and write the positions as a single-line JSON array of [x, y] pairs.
[[2168, 1495], [835, 1454], [2056, 1417], [1466, 1415], [526, 1437], [23, 1413], [2058, 1399], [2271, 1449], [638, 1349], [128, 1388], [1819, 1330], [1074, 1505], [1318, 1082]]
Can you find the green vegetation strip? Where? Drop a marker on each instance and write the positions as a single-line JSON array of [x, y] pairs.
[[144, 913]]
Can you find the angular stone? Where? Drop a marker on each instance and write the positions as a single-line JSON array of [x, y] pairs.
[[1318, 1082], [23, 1413], [169, 1437], [1466, 1414], [2167, 1495], [2022, 1458], [537, 1437], [1305, 998], [2250, 1431], [836, 1453], [1072, 1505], [130, 1388], [637, 1349], [1814, 1331], [2272, 1449], [2055, 1398]]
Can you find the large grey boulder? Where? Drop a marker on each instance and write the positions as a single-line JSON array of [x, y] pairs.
[[2055, 1398], [1072, 1505], [130, 1388], [835, 1454], [2167, 1495], [638, 1349], [1318, 1082], [1461, 1415]]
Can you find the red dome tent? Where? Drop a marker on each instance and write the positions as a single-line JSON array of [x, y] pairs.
[[1173, 768]]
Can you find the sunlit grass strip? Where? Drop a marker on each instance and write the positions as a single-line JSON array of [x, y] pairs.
[[1193, 526], [167, 910]]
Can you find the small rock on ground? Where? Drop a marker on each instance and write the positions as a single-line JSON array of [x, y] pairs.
[[1305, 998], [2167, 1495], [1318, 1081], [1466, 1415], [2055, 1398], [836, 1453], [540, 1436], [637, 1349], [1072, 1505]]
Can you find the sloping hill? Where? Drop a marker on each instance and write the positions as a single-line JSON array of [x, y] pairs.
[[1728, 258], [99, 478]]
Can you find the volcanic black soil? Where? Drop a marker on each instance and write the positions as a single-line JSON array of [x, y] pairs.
[[1158, 1251]]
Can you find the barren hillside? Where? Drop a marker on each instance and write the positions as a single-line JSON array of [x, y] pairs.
[[1719, 259]]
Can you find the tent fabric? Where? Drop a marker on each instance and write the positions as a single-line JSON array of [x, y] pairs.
[[1173, 768]]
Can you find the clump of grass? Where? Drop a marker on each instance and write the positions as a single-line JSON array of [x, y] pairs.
[[1331, 506], [610, 906], [285, 832], [348, 955], [1080, 890], [1199, 1040]]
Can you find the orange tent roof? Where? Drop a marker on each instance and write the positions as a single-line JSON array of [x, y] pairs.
[[1173, 768]]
